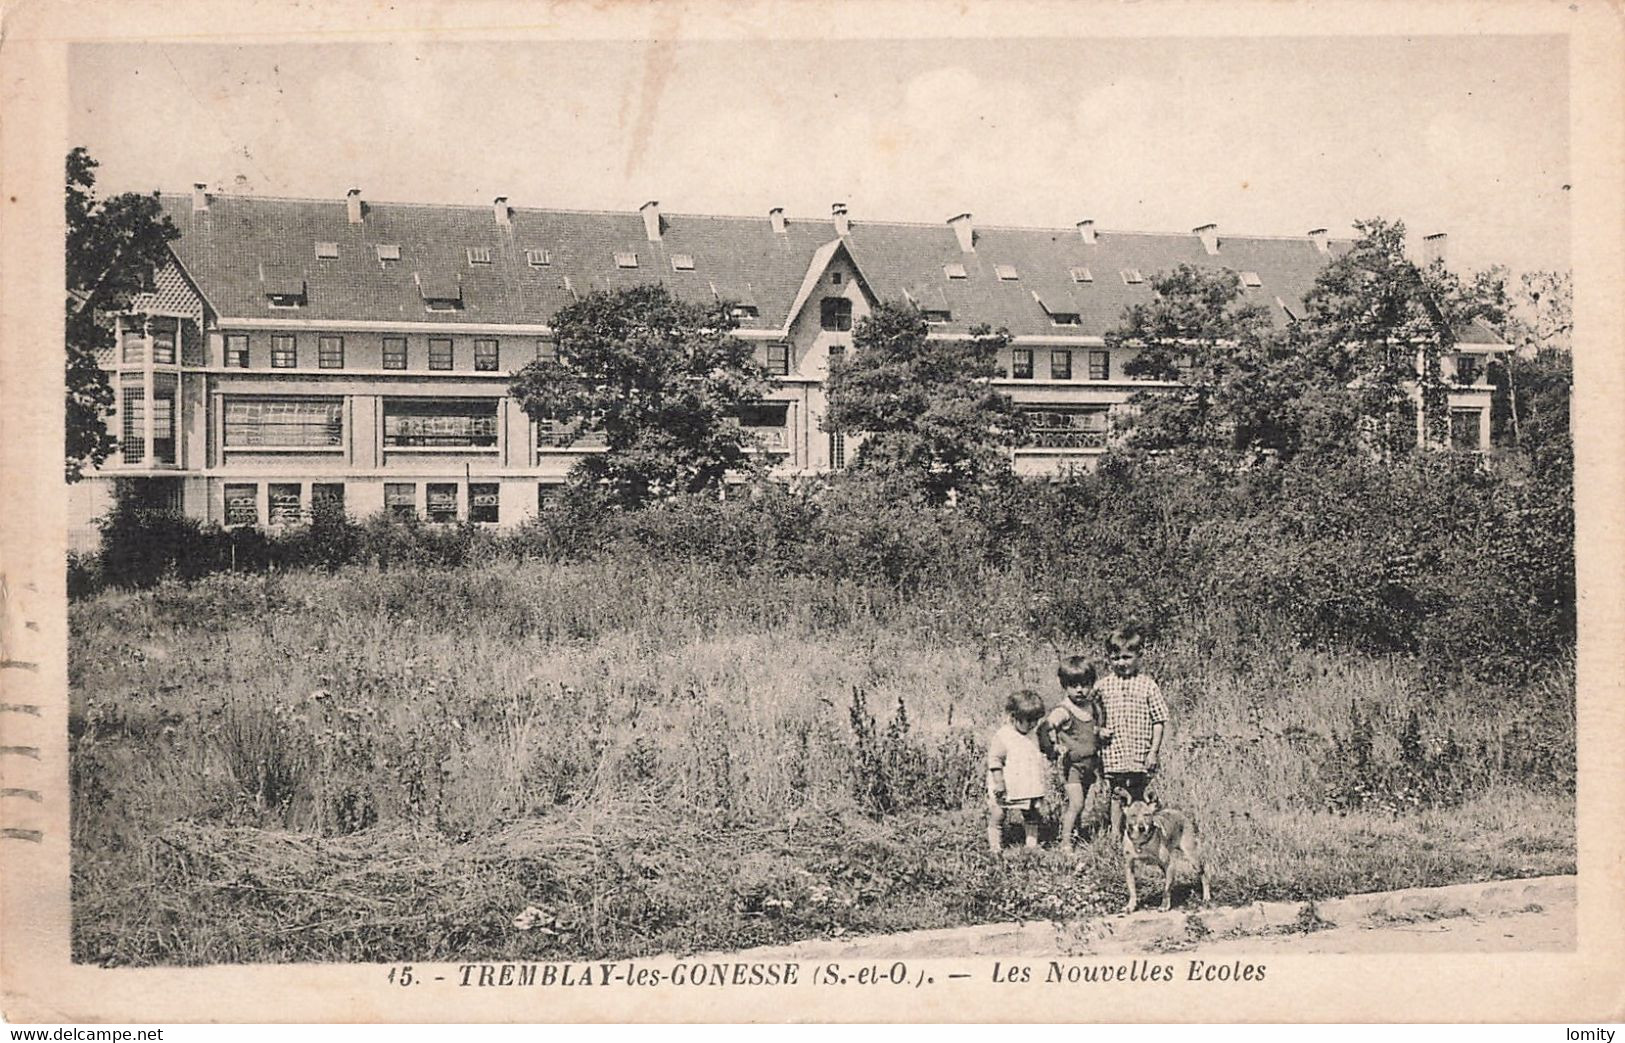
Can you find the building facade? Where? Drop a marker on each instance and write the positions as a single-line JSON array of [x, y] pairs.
[[299, 350]]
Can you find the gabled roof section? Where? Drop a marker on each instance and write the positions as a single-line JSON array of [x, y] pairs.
[[816, 268]]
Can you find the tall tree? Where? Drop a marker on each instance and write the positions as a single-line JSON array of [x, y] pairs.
[[1238, 373], [1540, 325], [663, 380], [932, 423], [1379, 324], [114, 250]]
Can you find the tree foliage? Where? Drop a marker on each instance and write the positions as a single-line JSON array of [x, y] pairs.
[[114, 249], [1376, 327], [932, 422], [1238, 373], [663, 380]]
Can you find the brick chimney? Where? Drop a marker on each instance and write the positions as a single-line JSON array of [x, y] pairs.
[[352, 200], [965, 231], [1318, 235], [776, 215], [499, 207], [200, 197], [1433, 247], [1086, 229], [843, 224], [1210, 237], [651, 219]]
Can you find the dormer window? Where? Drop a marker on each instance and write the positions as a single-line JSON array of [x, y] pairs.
[[1065, 318], [327, 251], [1006, 272], [283, 285], [682, 262], [627, 259], [936, 316], [1132, 276], [538, 258], [744, 312], [954, 270], [1082, 275], [441, 291], [388, 252], [479, 255], [1251, 279]]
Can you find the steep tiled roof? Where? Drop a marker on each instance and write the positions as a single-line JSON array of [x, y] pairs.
[[240, 242], [244, 247]]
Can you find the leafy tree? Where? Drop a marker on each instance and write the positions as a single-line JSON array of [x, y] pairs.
[[932, 422], [662, 379], [114, 250], [1379, 324], [1351, 363], [1238, 373], [1536, 379]]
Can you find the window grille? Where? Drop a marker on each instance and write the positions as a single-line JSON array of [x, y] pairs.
[[484, 502], [440, 501], [1064, 427], [242, 504], [401, 499], [466, 423], [283, 502], [284, 423]]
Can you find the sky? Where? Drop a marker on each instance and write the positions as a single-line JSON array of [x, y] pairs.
[[1266, 136]]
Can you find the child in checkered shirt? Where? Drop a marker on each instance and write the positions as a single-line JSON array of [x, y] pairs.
[[1137, 713]]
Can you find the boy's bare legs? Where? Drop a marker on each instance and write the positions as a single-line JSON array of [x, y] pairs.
[[1029, 826], [1075, 793], [1117, 814], [995, 826]]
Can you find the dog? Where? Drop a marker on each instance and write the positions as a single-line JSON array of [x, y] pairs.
[[1160, 836]]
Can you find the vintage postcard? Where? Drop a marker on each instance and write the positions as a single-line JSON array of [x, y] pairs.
[[825, 511]]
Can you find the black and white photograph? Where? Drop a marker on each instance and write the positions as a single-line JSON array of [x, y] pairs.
[[819, 519]]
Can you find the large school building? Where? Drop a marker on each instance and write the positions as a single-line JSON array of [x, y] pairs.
[[305, 349]]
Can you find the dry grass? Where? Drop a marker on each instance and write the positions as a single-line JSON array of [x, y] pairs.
[[390, 765]]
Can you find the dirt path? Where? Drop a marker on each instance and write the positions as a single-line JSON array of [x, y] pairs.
[[1535, 914], [1552, 929]]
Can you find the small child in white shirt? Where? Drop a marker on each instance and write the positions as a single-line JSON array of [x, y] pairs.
[[1017, 770]]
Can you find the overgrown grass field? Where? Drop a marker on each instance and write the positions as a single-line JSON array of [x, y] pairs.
[[656, 757]]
